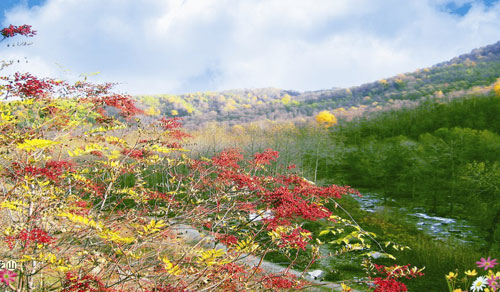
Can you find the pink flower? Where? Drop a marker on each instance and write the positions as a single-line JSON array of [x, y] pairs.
[[7, 276], [493, 282], [486, 264]]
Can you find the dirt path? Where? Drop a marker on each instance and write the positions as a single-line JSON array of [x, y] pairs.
[[193, 236]]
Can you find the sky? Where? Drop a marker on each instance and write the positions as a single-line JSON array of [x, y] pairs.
[[179, 46]]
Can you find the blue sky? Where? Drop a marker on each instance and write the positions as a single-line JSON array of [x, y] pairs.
[[174, 46], [6, 5], [461, 8]]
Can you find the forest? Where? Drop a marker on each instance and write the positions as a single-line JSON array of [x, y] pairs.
[[441, 156]]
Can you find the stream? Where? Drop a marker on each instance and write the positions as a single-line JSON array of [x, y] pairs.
[[446, 229], [440, 228]]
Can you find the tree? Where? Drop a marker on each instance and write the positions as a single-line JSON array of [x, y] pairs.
[[286, 99], [496, 88], [326, 119], [483, 182], [91, 199]]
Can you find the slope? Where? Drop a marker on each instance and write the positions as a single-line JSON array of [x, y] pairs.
[[463, 74]]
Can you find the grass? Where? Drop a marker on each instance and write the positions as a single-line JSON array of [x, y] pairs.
[[436, 256]]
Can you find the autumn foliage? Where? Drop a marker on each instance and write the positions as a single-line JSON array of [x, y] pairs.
[[496, 88], [326, 119], [92, 199], [13, 30]]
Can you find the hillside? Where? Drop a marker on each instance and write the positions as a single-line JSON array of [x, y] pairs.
[[465, 73]]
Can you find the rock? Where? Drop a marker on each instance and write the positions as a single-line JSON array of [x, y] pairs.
[[316, 274]]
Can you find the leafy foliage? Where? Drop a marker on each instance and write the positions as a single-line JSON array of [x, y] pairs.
[[87, 204]]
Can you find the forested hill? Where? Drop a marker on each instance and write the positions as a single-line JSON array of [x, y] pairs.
[[469, 72]]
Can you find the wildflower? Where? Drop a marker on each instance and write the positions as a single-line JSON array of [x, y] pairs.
[[7, 276], [345, 288], [451, 276], [486, 264], [458, 290], [492, 281], [471, 273], [478, 284]]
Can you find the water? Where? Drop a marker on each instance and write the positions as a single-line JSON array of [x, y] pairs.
[[439, 227]]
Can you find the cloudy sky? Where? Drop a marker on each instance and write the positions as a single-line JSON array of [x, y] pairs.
[[175, 46]]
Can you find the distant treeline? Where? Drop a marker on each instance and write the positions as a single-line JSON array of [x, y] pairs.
[[463, 74]]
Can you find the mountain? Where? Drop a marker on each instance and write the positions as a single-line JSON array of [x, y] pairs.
[[474, 71]]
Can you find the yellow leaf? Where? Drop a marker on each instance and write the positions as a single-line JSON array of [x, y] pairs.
[[171, 268], [324, 232], [210, 257], [114, 154], [36, 144], [6, 117]]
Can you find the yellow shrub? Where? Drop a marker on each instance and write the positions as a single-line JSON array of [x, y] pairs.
[[325, 118]]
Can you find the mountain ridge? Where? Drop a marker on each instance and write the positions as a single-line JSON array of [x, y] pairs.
[[475, 70]]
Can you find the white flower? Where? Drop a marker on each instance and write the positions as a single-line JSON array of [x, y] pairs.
[[478, 284]]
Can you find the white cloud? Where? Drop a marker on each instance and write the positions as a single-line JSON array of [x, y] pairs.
[[172, 46]]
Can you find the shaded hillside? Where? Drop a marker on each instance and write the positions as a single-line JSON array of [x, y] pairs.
[[467, 72]]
